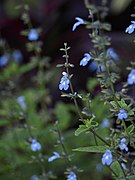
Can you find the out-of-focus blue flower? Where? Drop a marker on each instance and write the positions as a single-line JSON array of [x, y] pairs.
[[33, 35], [21, 102], [34, 177], [107, 158], [79, 21], [130, 28], [4, 59], [122, 114], [64, 82], [101, 69], [131, 77], [55, 156], [72, 176], [93, 66], [111, 53], [105, 123], [123, 145], [123, 166], [17, 56], [99, 167], [85, 60], [35, 146]]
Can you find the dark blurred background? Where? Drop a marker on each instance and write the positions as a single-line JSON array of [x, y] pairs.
[[56, 19]]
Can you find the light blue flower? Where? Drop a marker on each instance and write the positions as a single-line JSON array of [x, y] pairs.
[[107, 158], [17, 56], [79, 21], [21, 102], [111, 53], [99, 167], [123, 166], [93, 66], [105, 123], [130, 28], [85, 60], [71, 176], [55, 156], [64, 82], [123, 145], [4, 59], [101, 68], [35, 146], [33, 35], [122, 114], [34, 177], [131, 77]]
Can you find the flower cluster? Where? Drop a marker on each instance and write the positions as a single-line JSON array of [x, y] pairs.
[[122, 114], [123, 145]]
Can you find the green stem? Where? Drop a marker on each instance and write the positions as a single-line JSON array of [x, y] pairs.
[[99, 137], [125, 127], [113, 172], [122, 170]]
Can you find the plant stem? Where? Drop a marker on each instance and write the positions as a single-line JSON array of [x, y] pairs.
[[91, 130]]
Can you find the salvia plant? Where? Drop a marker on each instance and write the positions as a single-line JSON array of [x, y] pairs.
[[90, 136], [117, 149]]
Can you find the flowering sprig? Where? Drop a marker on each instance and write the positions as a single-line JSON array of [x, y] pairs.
[[123, 145]]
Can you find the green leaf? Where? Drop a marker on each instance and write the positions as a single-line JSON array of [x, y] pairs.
[[115, 166], [130, 129], [131, 177], [113, 104], [92, 83], [81, 129], [95, 149], [63, 114]]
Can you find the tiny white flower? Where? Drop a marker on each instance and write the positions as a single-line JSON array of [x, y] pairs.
[[85, 60], [107, 158], [35, 146], [79, 21], [55, 156]]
